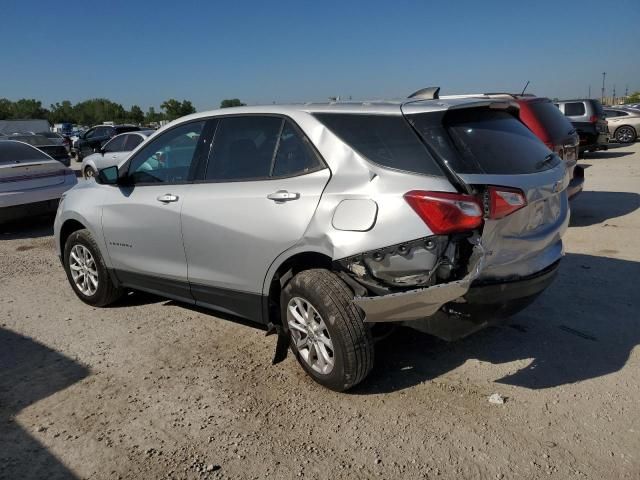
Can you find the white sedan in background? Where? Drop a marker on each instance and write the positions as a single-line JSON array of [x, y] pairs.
[[31, 182], [115, 150]]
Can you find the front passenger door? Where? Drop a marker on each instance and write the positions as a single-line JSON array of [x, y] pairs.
[[141, 222]]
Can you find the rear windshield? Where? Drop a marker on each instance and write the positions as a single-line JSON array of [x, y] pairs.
[[13, 152], [481, 140], [387, 140], [554, 122]]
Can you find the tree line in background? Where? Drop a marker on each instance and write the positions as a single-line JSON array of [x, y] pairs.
[[98, 110]]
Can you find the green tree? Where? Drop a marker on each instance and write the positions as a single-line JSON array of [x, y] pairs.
[[6, 108], [136, 115], [231, 102], [187, 108], [175, 109], [633, 98], [62, 112], [151, 116], [28, 108], [99, 110]]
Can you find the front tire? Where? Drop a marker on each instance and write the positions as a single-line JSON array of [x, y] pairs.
[[326, 329], [625, 134], [87, 272]]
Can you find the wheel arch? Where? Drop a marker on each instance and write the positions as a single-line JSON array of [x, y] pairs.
[[68, 227], [280, 273]]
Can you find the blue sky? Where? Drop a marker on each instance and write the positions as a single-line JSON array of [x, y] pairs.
[[138, 52]]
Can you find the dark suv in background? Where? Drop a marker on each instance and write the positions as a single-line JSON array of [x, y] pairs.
[[97, 136], [587, 115]]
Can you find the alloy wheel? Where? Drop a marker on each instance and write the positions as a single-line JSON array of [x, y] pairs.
[[83, 270], [625, 134], [310, 335]]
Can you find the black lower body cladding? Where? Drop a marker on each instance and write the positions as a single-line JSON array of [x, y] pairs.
[[486, 304]]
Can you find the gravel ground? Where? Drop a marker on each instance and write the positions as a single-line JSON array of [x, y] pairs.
[[154, 389]]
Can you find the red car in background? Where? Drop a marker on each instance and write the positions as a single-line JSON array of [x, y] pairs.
[[549, 124]]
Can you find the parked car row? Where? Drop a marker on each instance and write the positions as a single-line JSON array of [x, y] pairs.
[[113, 152], [31, 182], [93, 139], [324, 221]]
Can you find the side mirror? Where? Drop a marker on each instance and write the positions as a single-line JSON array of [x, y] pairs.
[[98, 150], [108, 176]]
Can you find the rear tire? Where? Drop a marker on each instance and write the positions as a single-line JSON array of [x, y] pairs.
[[87, 272], [330, 326], [625, 134]]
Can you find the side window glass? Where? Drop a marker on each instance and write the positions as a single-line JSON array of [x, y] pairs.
[[243, 148], [90, 133], [169, 157], [132, 142], [294, 156], [115, 145]]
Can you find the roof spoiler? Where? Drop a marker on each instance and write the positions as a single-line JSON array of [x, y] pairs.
[[428, 93]]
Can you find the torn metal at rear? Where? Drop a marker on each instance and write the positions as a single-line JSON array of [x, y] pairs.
[[423, 302]]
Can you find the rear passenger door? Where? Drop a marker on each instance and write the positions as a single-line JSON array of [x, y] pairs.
[[255, 198]]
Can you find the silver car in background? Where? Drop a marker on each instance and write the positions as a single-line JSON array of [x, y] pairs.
[[323, 222], [113, 152], [31, 182], [624, 124]]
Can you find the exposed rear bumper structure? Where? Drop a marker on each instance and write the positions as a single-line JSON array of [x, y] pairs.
[[456, 309]]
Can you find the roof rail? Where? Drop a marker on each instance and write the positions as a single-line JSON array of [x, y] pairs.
[[428, 93]]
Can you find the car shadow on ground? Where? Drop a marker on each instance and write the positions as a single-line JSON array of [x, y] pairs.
[[29, 372], [583, 326], [590, 208], [605, 154], [34, 227]]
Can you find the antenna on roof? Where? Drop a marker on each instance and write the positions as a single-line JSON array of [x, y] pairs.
[[428, 93], [525, 87]]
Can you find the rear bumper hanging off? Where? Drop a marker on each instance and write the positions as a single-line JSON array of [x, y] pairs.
[[423, 302]]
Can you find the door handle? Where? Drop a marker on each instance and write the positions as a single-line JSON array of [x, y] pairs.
[[283, 196], [167, 198]]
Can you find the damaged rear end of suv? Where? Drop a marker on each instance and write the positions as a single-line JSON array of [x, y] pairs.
[[326, 223], [446, 216]]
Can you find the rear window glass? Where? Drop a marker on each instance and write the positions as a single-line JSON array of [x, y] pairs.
[[13, 152], [574, 109], [383, 139], [551, 118], [480, 140]]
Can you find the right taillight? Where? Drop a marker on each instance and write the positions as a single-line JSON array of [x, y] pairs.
[[446, 212], [593, 119], [503, 201]]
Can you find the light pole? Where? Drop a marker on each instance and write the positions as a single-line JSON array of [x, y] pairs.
[[604, 74], [589, 92]]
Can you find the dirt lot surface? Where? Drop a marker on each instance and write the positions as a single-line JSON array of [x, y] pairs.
[[154, 389]]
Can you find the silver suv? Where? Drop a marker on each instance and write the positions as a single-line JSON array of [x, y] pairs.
[[324, 221]]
